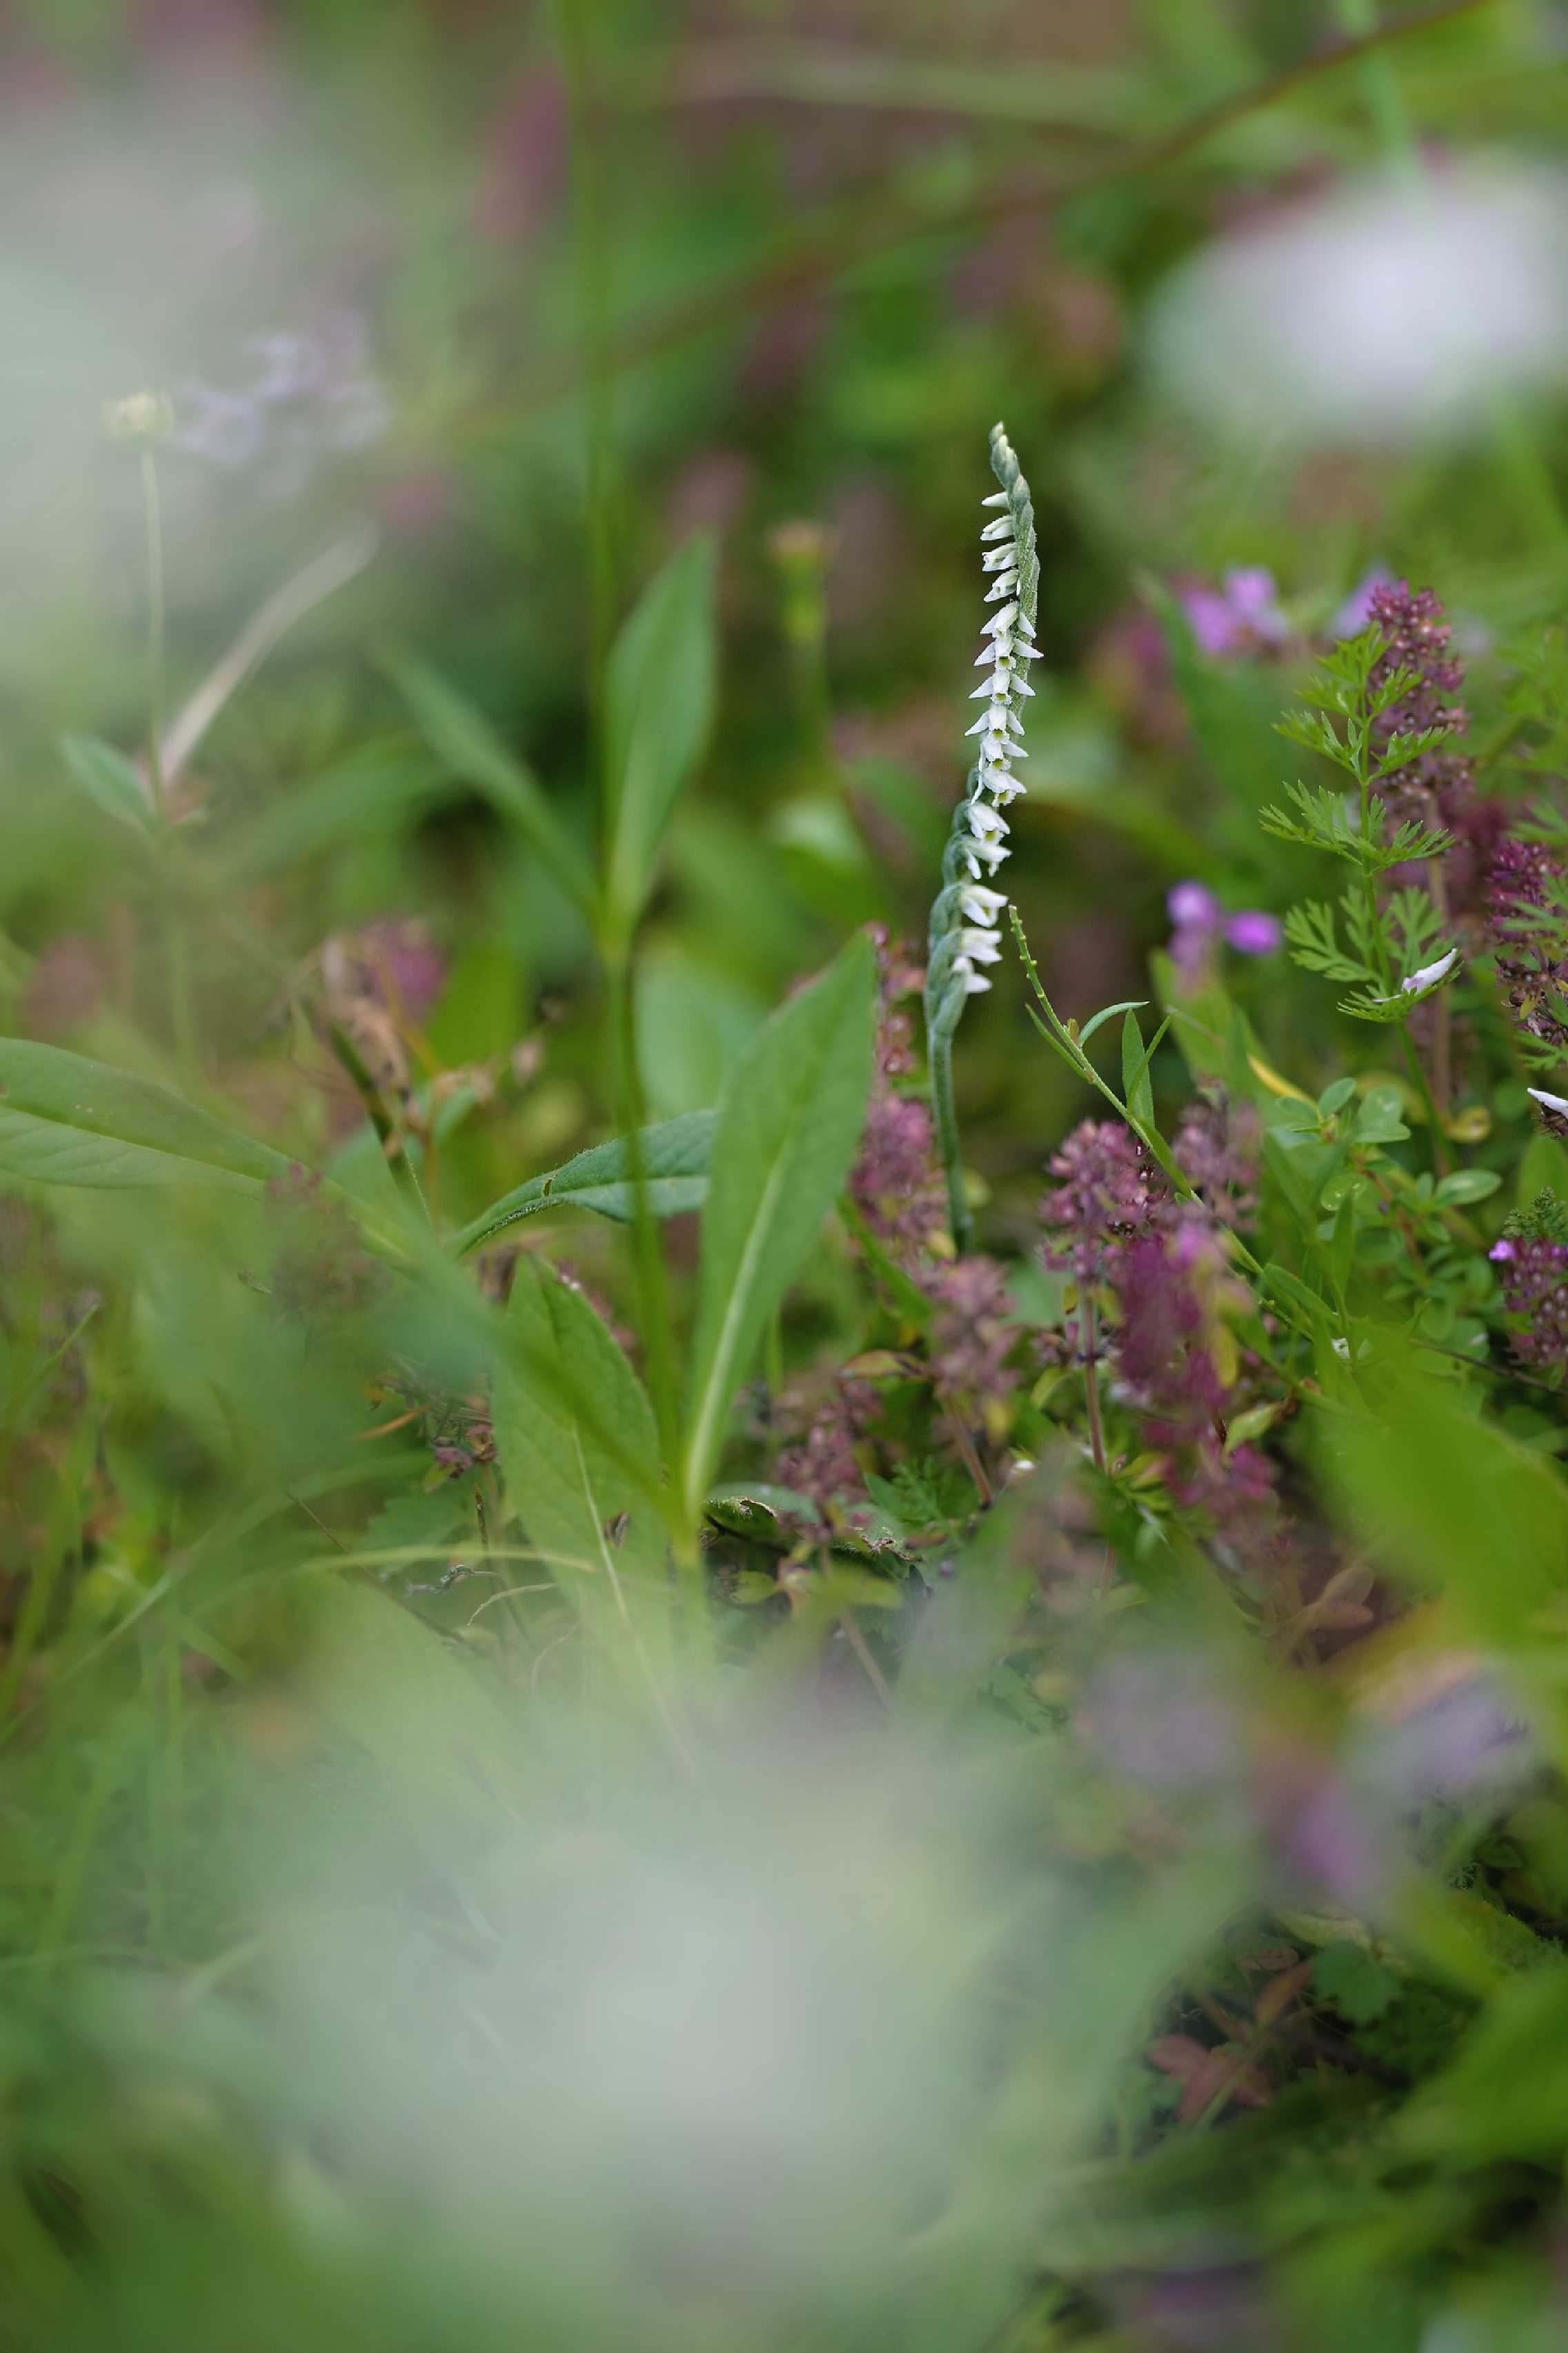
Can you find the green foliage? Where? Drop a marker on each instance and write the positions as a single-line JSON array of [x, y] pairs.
[[575, 1435], [672, 1162], [1065, 1844], [65, 1120], [788, 1124]]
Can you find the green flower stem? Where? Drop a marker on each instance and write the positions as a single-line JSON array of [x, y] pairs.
[[944, 1114]]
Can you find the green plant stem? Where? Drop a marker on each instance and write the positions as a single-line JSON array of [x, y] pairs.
[[1380, 80], [945, 1114], [579, 37], [1091, 1382]]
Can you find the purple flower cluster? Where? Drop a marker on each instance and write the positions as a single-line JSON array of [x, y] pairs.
[[1109, 1191], [1242, 616], [1199, 923], [972, 1332], [1217, 1149], [1525, 917], [1438, 785], [823, 1462], [1116, 1226], [1173, 1290], [894, 1183], [1533, 1272]]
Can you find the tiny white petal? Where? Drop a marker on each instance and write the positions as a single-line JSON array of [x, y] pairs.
[[1558, 1103], [1000, 624], [978, 905], [975, 983], [997, 499], [1004, 587], [1000, 529], [984, 946], [1430, 973], [997, 559]]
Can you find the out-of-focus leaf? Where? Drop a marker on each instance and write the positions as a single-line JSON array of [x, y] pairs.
[[659, 693], [107, 778], [788, 1125], [1443, 1496], [65, 1120], [674, 1157], [464, 741]]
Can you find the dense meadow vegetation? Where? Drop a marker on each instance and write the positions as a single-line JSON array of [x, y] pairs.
[[783, 1552]]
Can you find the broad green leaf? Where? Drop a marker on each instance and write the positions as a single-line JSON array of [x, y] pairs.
[[675, 1157], [463, 738], [1465, 1186], [108, 777], [660, 694], [65, 1120], [408, 1697], [1440, 1494], [788, 1124], [576, 1434]]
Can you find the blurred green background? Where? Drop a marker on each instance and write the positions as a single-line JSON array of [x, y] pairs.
[[468, 317]]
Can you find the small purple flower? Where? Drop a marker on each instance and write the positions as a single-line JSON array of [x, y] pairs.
[[1356, 611], [1192, 907], [1254, 934], [1241, 616], [1199, 923]]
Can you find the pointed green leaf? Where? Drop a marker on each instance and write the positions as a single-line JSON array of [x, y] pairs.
[[65, 1120], [108, 777], [576, 1434], [462, 737], [660, 708], [789, 1120], [1137, 1087], [675, 1155], [1108, 1013]]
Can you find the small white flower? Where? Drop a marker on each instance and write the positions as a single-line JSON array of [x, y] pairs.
[[978, 905], [1431, 974], [982, 944], [1006, 789], [997, 499], [1000, 625], [999, 558], [984, 823], [1000, 529], [1004, 586], [1429, 977]]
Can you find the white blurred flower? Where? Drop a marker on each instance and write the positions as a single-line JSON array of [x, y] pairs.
[[1382, 313]]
